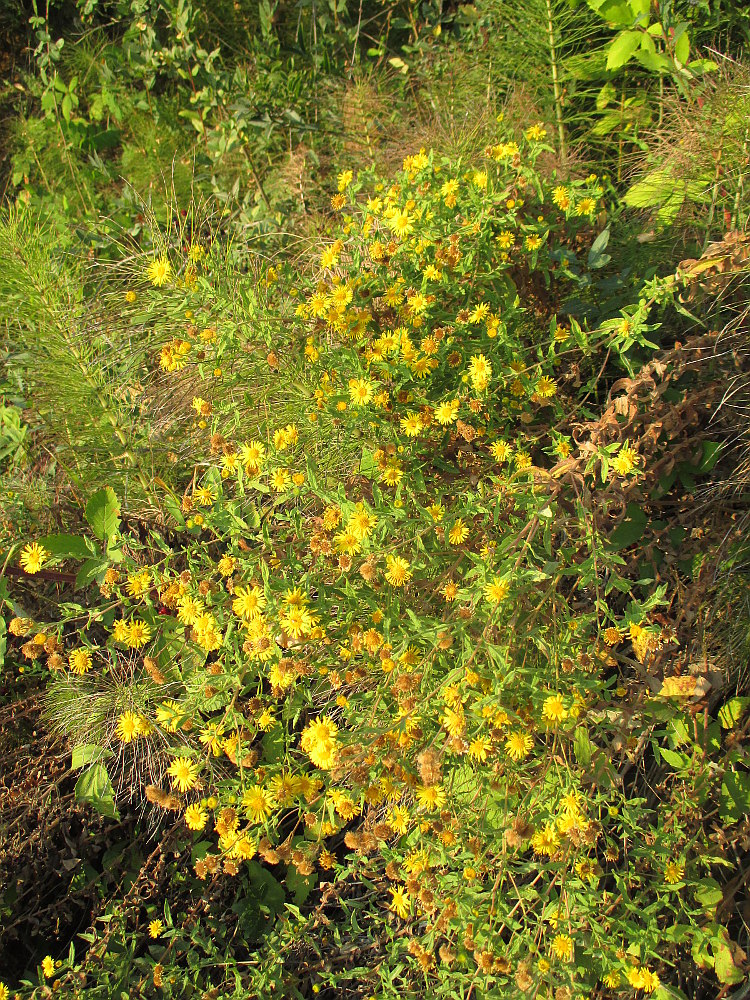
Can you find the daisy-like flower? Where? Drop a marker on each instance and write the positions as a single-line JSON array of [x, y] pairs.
[[252, 455], [458, 533], [257, 803], [411, 424], [562, 947], [553, 709], [496, 590], [501, 451], [625, 461], [673, 872], [48, 966], [196, 817], [80, 661], [480, 372], [248, 602], [447, 412], [518, 745], [546, 387], [159, 271], [33, 557], [281, 480], [360, 391], [155, 928], [184, 773], [479, 748], [139, 633], [128, 727], [431, 797], [400, 904], [398, 572], [319, 742]]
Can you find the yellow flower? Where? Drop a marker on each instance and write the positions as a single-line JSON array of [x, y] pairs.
[[248, 602], [400, 904], [257, 803], [252, 455], [48, 966], [138, 634], [626, 460], [447, 412], [80, 661], [184, 773], [159, 272], [480, 372], [561, 197], [518, 745], [546, 387], [344, 179], [458, 533], [479, 748], [360, 391], [128, 727], [155, 928], [411, 424], [33, 557], [196, 817], [536, 132], [431, 797], [673, 872], [496, 590], [398, 572], [553, 709], [319, 742], [585, 206], [642, 979], [562, 947]]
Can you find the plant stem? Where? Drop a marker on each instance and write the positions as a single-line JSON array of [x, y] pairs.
[[556, 80]]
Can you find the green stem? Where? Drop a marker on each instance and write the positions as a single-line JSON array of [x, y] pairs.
[[556, 80]]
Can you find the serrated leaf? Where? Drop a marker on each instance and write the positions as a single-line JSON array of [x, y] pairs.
[[103, 513]]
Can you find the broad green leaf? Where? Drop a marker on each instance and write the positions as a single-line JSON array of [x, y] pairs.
[[68, 546], [103, 513], [650, 190], [682, 48], [711, 455], [708, 893], [734, 801], [623, 48], [731, 713], [94, 787], [630, 530], [582, 747], [86, 753], [679, 761]]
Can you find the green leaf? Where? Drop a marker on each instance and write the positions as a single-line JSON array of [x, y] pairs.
[[86, 753], [679, 761], [623, 48], [597, 257], [727, 971], [734, 801], [582, 747], [731, 713], [68, 546], [89, 572], [103, 513], [650, 190], [682, 48], [94, 787], [711, 455], [708, 893], [630, 530]]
